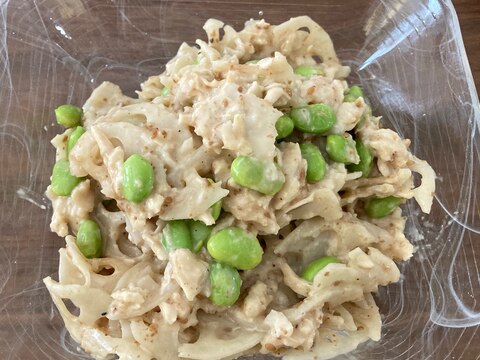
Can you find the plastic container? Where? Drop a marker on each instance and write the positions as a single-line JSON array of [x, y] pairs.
[[408, 56]]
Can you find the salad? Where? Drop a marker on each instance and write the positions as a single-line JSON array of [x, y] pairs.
[[246, 201]]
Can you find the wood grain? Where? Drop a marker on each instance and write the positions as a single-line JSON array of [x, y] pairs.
[[468, 12]]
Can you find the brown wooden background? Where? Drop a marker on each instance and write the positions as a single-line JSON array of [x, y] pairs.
[[469, 15]]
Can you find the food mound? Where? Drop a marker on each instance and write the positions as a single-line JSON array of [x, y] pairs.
[[247, 201]]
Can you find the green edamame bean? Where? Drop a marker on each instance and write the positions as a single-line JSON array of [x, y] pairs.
[[233, 246], [308, 71], [199, 233], [73, 138], [165, 91], [257, 175], [252, 62], [89, 239], [377, 208], [225, 283], [68, 115], [176, 235], [316, 118], [316, 165], [216, 209], [314, 267], [284, 126], [63, 182], [341, 148], [353, 94], [137, 178], [366, 160]]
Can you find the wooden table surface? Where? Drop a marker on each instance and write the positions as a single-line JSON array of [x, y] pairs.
[[469, 16]]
